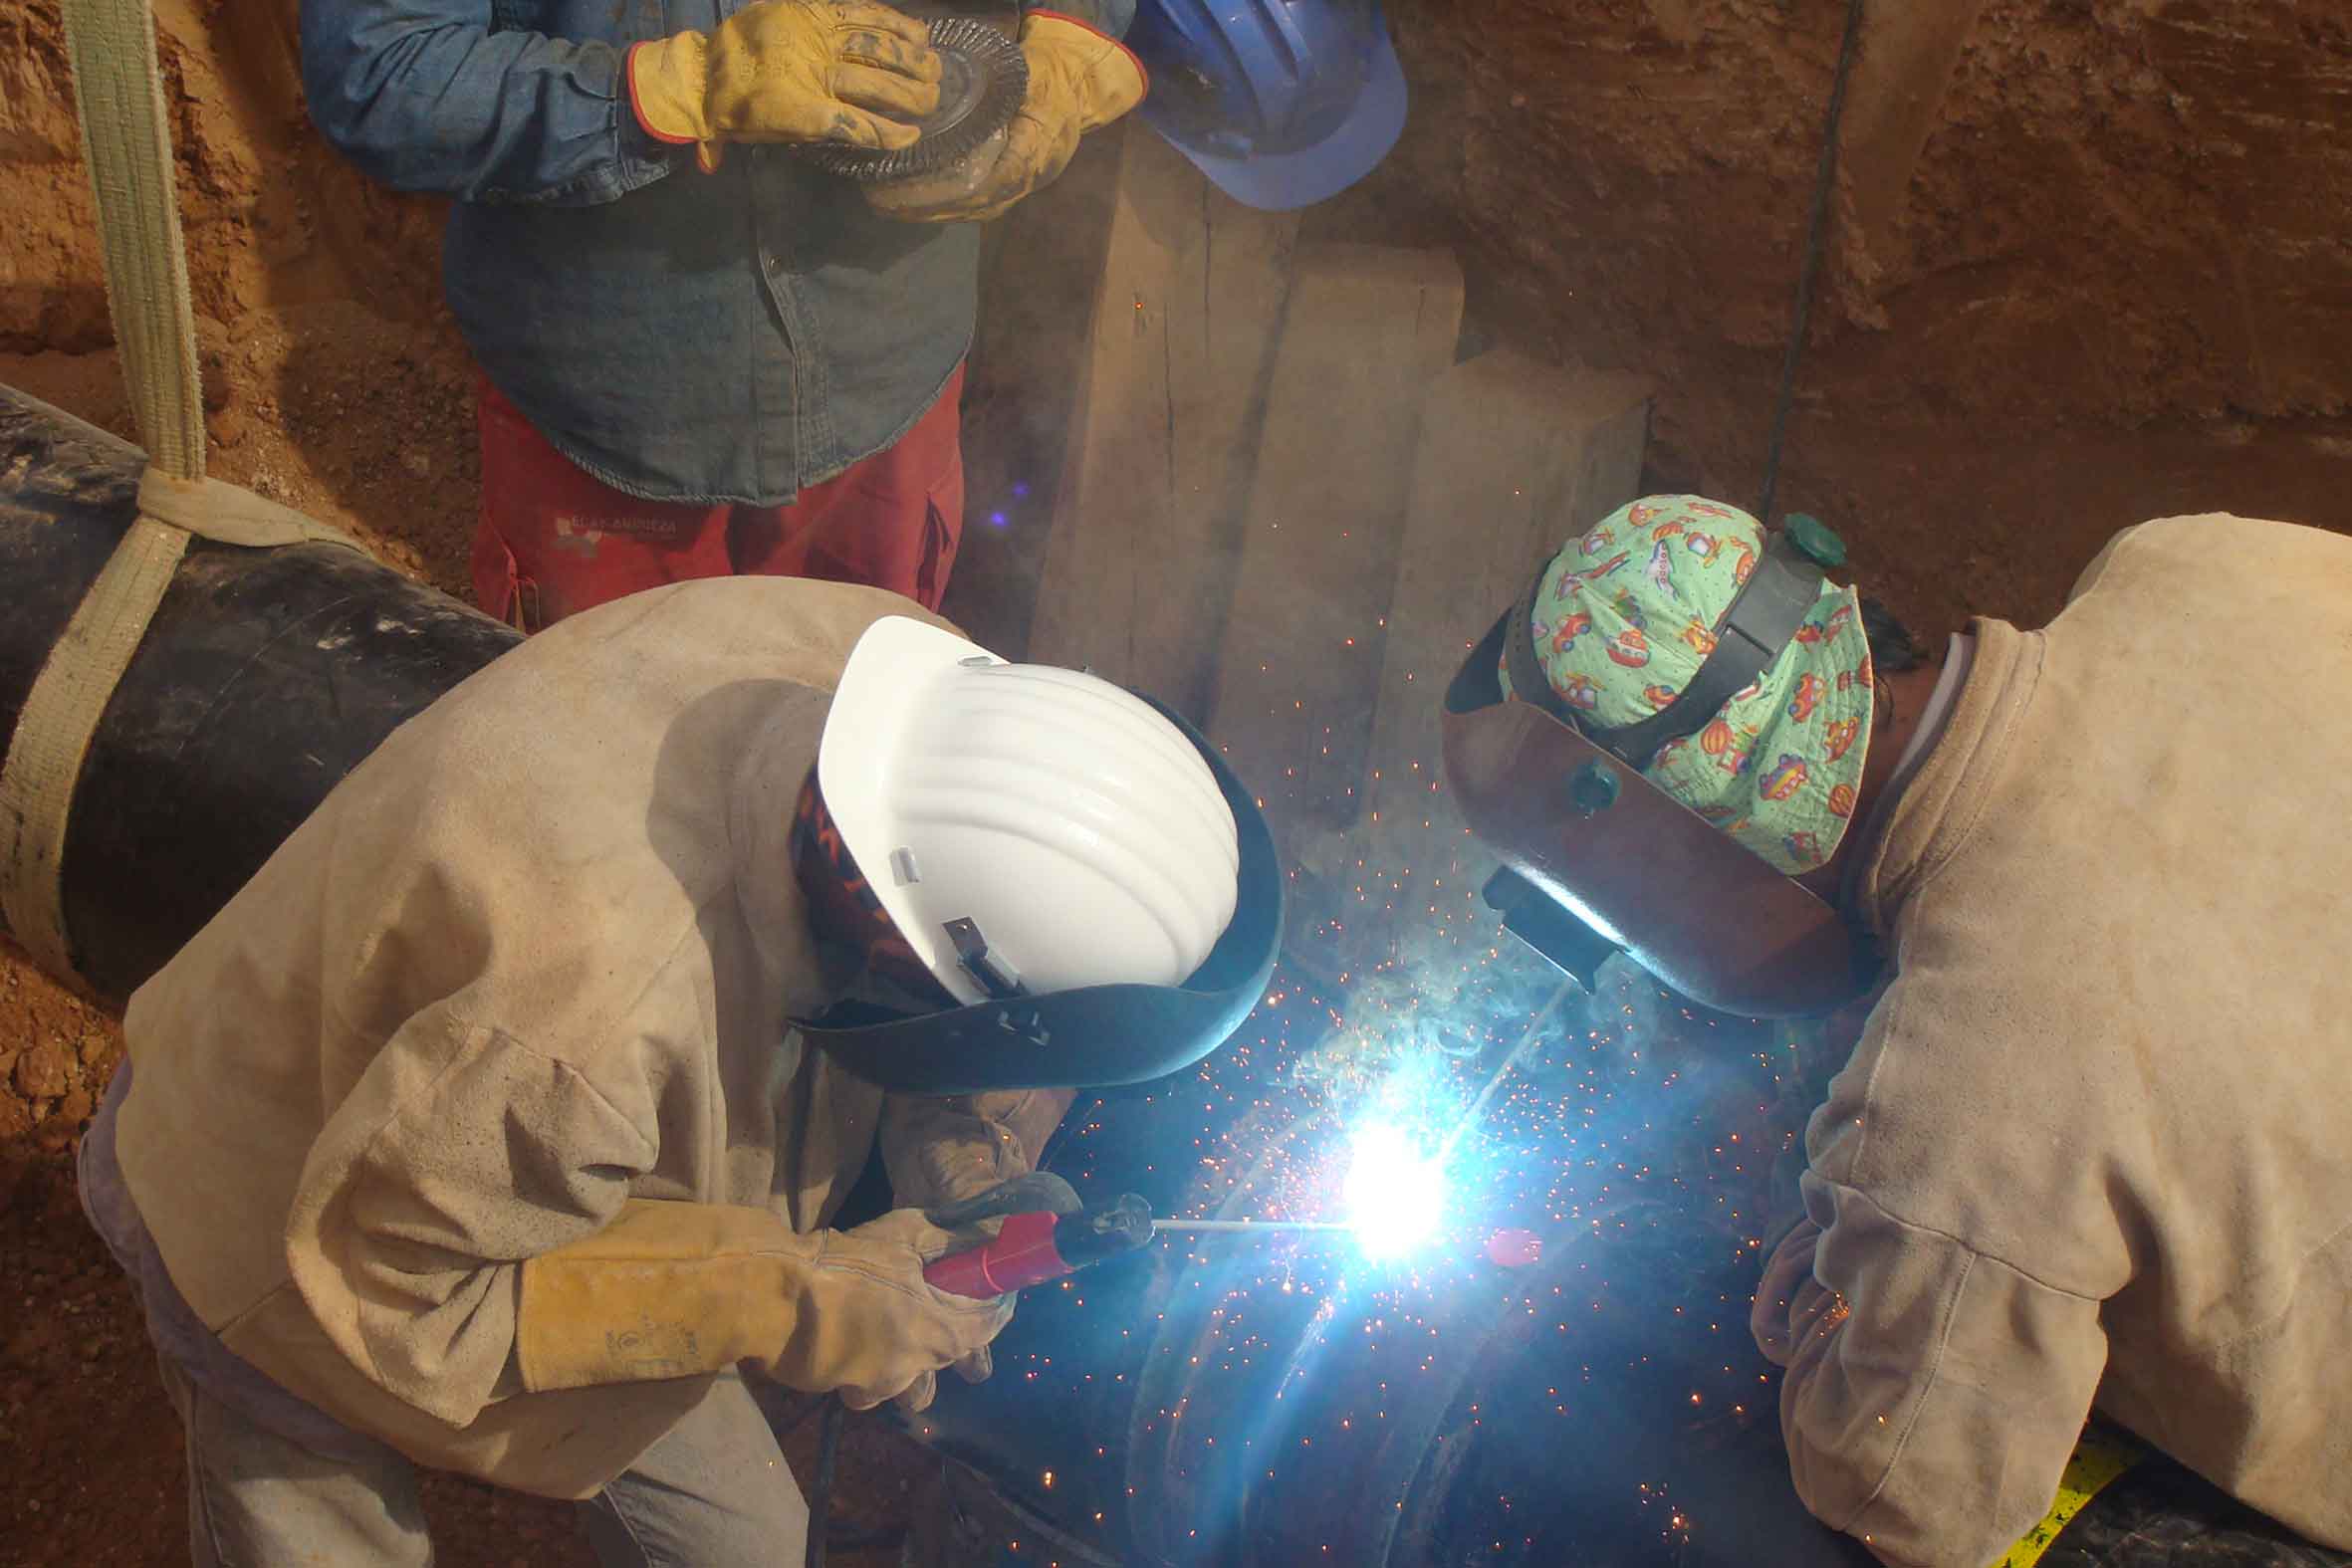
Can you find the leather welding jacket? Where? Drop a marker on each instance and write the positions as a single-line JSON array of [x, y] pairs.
[[535, 957], [2096, 1146]]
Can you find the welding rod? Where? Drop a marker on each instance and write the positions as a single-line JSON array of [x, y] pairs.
[[1235, 1227]]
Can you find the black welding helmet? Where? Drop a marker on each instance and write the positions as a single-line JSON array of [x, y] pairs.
[[1070, 861], [1596, 857]]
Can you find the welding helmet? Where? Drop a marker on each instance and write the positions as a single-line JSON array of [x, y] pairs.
[[1279, 103], [1596, 858], [1068, 860]]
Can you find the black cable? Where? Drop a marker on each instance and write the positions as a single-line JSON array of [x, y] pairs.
[[1823, 184], [820, 1489]]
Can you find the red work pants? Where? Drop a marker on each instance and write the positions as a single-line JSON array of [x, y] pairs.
[[555, 541]]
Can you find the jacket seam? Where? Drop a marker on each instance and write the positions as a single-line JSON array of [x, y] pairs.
[[2287, 1302], [1966, 1245], [1967, 1267], [1995, 757]]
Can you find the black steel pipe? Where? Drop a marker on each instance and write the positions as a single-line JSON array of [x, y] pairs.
[[1271, 1404], [265, 677], [1233, 1403]]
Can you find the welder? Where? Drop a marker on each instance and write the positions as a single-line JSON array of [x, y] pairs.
[[500, 1124], [701, 350], [2088, 1152]]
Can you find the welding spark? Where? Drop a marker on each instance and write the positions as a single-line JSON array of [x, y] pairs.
[[1396, 1191]]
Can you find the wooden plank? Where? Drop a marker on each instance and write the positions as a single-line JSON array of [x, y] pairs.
[[1515, 457], [1365, 332], [1146, 530]]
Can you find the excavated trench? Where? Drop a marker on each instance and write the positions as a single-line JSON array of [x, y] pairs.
[[2105, 279]]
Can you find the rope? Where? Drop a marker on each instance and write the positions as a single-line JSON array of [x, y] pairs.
[[1824, 181], [118, 94]]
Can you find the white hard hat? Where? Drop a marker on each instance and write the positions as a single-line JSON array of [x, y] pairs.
[[1025, 827]]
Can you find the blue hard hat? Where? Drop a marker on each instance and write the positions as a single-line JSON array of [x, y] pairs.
[[1281, 103]]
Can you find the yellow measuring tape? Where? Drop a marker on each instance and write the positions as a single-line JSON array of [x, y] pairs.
[[2097, 1461]]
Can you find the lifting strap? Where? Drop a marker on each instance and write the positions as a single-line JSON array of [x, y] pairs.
[[119, 98]]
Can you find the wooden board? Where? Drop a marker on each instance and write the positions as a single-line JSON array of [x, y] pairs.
[[1366, 330], [1515, 457], [1146, 533]]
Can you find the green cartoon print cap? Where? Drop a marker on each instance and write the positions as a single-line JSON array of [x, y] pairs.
[[1623, 619]]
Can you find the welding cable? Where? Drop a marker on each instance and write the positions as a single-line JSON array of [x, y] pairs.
[[820, 1488], [1824, 182]]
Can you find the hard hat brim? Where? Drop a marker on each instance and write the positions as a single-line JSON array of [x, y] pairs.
[[1094, 1037], [872, 705], [1281, 181]]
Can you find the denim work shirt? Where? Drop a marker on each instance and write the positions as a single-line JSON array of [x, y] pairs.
[[682, 337]]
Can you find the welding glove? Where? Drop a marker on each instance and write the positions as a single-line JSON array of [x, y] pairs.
[[1078, 80], [672, 1289], [842, 71], [943, 1151]]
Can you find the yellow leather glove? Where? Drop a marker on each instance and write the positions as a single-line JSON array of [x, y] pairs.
[[1078, 80], [672, 1291], [943, 1151], [843, 70]]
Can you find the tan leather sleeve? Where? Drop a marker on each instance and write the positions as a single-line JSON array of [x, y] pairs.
[[671, 1289], [1933, 1394]]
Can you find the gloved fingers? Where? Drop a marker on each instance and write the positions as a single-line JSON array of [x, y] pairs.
[[902, 48], [870, 87], [940, 197], [916, 1397], [1039, 150], [984, 188], [838, 123], [1784, 1273], [861, 129], [1035, 155], [874, 25], [908, 1227]]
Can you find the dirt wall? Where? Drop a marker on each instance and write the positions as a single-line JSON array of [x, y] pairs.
[[2114, 286]]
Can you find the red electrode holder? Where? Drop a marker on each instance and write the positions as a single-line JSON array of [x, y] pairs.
[[1034, 1247]]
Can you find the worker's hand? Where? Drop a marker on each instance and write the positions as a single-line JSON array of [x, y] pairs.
[[843, 70], [915, 1330], [957, 1172], [1078, 80], [1790, 1267]]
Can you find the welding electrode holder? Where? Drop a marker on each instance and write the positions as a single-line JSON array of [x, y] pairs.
[[1046, 1233]]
